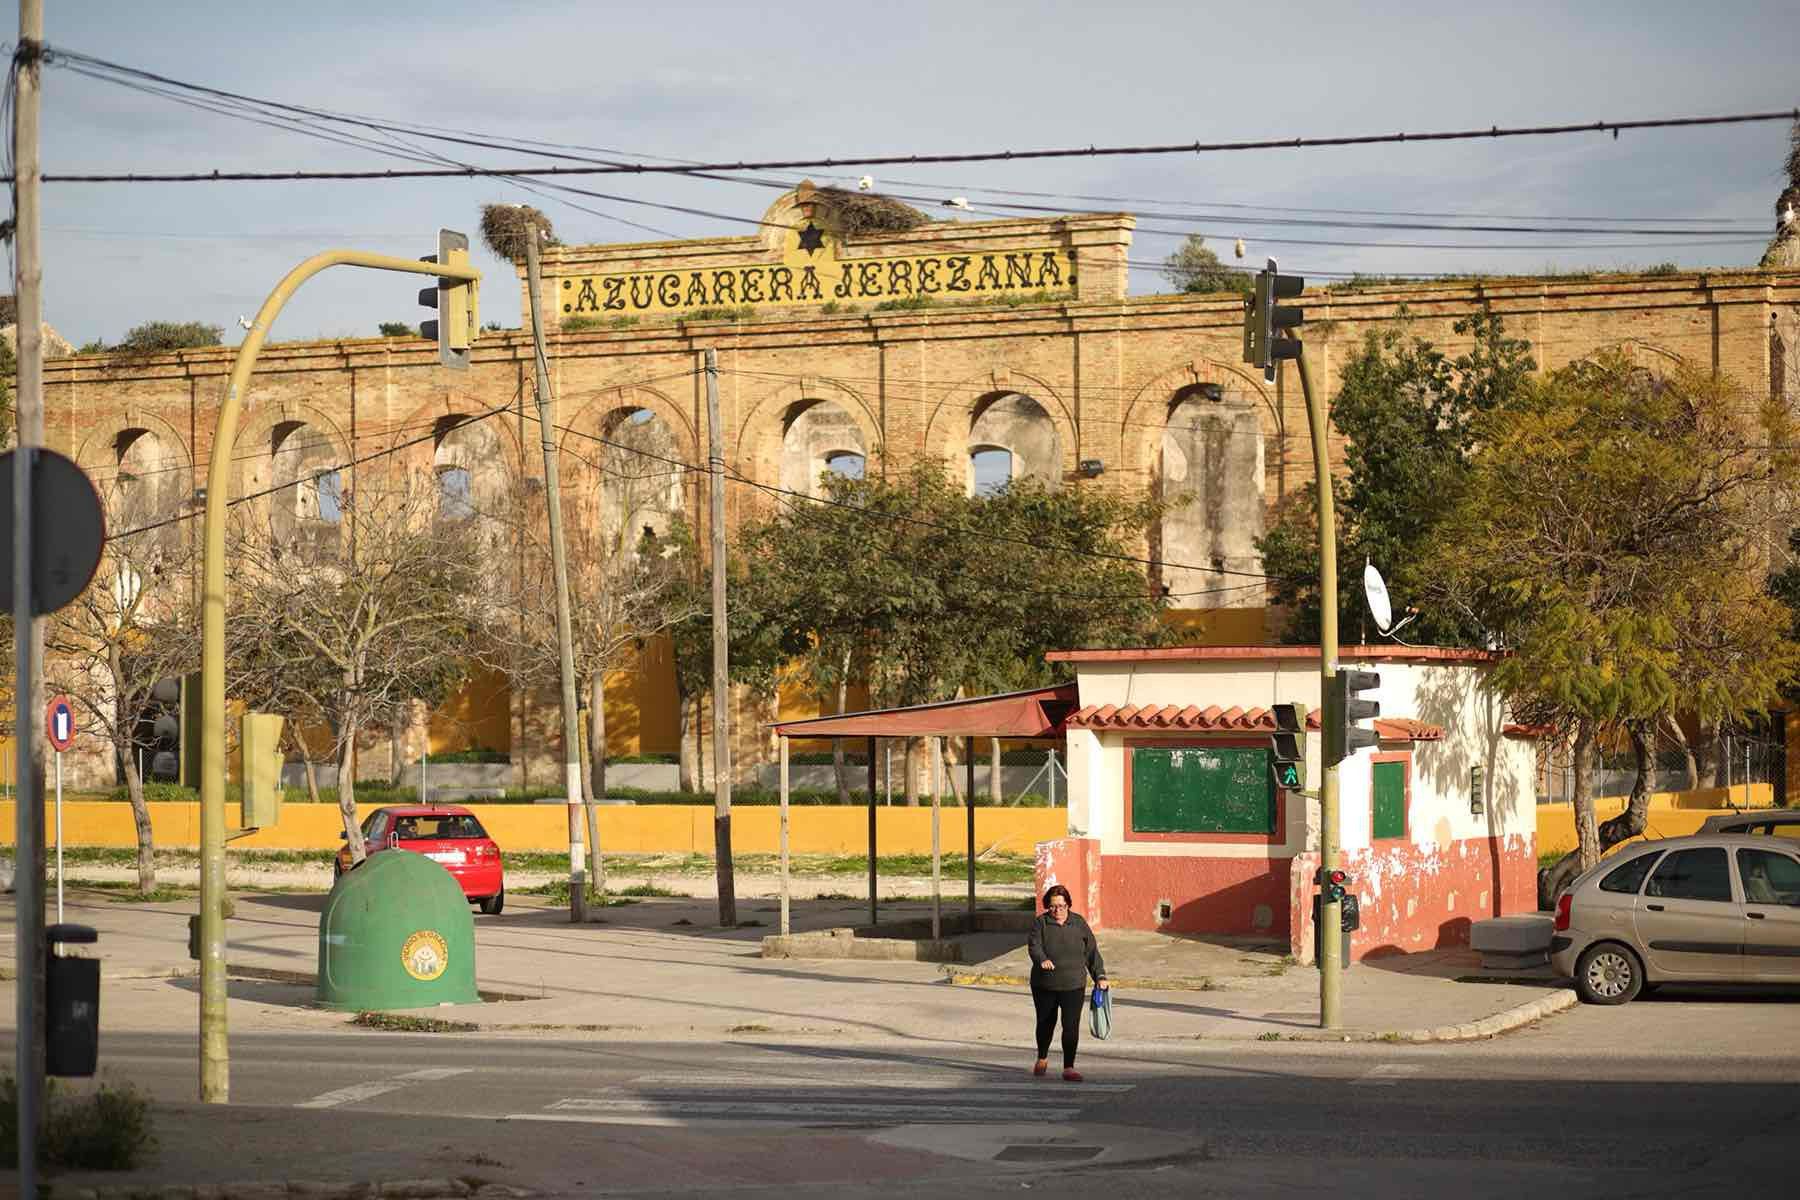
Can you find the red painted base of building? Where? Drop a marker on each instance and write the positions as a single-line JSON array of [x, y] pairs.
[[1412, 897]]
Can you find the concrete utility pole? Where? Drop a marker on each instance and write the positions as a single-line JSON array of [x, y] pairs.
[[28, 633], [721, 657], [560, 565]]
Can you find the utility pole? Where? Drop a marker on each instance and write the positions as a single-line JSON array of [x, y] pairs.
[[28, 633], [560, 565], [721, 657]]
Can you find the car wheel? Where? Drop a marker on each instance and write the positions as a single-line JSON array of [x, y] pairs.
[[1608, 973], [491, 905]]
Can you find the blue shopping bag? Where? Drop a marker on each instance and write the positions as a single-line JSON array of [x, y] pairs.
[[1100, 1013]]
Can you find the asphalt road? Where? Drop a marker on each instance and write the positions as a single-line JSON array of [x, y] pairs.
[[1684, 1095]]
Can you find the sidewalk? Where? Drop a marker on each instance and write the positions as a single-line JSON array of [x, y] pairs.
[[661, 968]]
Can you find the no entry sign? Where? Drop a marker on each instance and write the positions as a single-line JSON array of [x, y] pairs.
[[59, 723]]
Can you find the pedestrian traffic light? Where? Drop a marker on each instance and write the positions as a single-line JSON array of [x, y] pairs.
[[1287, 747], [261, 747], [456, 300], [1333, 882], [1343, 736], [1266, 322]]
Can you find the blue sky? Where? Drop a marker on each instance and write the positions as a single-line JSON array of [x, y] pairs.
[[717, 81]]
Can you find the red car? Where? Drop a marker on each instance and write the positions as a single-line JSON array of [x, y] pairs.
[[448, 834]]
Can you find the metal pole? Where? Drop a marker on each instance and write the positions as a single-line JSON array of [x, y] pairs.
[[59, 860], [29, 813], [215, 1068], [1330, 854], [1050, 765], [874, 913], [424, 783], [937, 808], [887, 773], [785, 927], [722, 669], [559, 563], [969, 806]]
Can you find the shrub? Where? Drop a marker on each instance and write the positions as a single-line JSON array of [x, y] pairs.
[[397, 329], [108, 1129], [580, 324], [153, 337], [474, 754]]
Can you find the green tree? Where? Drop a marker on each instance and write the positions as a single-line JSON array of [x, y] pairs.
[[1407, 412], [923, 592], [1195, 268], [1602, 531], [156, 336]]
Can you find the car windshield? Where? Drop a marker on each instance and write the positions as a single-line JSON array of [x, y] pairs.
[[437, 826]]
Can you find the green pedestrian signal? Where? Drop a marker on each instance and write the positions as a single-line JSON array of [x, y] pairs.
[[1287, 747]]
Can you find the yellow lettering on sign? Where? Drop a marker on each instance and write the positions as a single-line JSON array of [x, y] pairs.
[[812, 273]]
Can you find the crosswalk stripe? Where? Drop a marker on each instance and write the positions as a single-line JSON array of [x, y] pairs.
[[801, 1110], [951, 1085], [1385, 1075], [377, 1087]]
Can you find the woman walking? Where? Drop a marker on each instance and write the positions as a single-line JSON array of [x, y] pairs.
[[1063, 954]]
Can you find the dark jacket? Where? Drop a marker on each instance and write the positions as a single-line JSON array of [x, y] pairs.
[[1071, 946]]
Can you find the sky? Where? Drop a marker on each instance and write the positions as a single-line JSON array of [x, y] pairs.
[[732, 81]]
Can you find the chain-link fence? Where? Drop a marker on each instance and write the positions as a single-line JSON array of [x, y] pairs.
[[1755, 753]]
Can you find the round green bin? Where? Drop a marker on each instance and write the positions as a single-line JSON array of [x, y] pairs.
[[396, 933]]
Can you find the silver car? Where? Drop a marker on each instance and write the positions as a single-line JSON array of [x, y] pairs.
[[1782, 823], [1713, 908]]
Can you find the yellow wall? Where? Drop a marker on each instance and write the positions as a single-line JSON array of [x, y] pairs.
[[633, 829], [1672, 814], [1219, 626]]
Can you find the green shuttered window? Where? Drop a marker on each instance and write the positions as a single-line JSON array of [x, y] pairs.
[[1202, 789], [1390, 800]]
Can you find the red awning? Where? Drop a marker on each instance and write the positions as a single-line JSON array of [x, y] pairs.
[[1036, 714]]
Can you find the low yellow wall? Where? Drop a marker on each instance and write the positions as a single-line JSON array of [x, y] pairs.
[[1672, 814], [624, 829]]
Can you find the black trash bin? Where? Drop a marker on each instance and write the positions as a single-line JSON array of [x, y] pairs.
[[72, 1004], [1350, 918]]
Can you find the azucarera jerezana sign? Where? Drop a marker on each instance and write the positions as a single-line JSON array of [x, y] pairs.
[[807, 276]]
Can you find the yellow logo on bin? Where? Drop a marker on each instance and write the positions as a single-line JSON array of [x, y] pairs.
[[425, 955]]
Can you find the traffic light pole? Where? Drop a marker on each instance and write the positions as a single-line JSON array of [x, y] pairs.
[[1331, 973], [215, 1063]]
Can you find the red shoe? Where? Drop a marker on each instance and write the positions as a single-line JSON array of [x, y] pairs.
[[1042, 1066], [1071, 1075]]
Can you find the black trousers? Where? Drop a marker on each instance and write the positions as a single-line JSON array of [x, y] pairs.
[[1049, 1003]]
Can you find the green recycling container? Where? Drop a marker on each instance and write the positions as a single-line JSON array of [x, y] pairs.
[[396, 933]]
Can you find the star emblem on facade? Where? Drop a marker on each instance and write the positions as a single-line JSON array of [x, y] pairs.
[[812, 238]]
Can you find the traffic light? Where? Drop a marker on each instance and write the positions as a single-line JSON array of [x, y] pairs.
[[261, 747], [456, 300], [1343, 736], [1267, 322], [1333, 883], [1287, 747]]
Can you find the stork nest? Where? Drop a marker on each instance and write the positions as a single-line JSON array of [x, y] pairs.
[[859, 213], [506, 227]]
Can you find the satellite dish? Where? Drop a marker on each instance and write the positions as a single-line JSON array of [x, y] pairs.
[[1376, 593]]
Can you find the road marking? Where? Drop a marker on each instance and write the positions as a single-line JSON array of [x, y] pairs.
[[936, 1099], [363, 1091], [1386, 1075]]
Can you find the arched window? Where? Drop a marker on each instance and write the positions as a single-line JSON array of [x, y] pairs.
[[455, 503], [1017, 425], [1210, 471], [820, 437], [847, 463], [149, 484], [640, 479], [990, 469], [300, 456]]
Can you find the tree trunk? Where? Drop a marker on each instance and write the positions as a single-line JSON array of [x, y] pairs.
[[312, 776], [596, 777], [994, 771], [687, 754], [1553, 879], [837, 744], [347, 792], [1678, 735], [911, 772], [1708, 756], [1630, 823], [952, 753], [140, 817]]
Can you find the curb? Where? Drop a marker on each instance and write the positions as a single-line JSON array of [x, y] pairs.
[[1001, 979], [1469, 1031], [256, 1189]]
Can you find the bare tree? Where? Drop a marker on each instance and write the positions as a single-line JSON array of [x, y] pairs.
[[117, 649], [351, 634], [621, 593]]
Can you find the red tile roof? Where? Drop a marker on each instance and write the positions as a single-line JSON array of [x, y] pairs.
[[1213, 719]]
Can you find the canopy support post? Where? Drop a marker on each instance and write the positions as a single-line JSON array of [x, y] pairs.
[[874, 913], [969, 805], [937, 846], [786, 927]]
